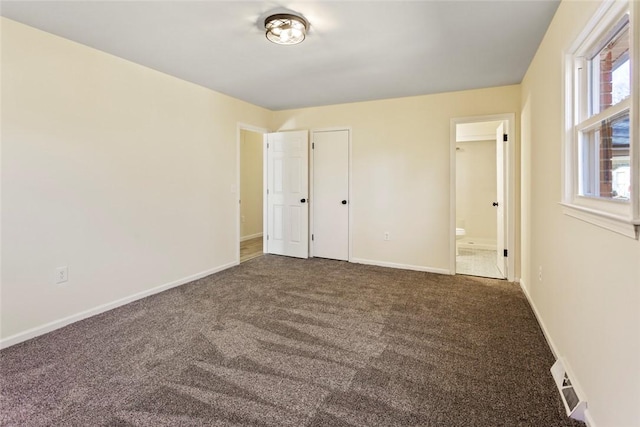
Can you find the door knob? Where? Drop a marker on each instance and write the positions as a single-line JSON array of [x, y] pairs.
[[344, 202], [495, 203], [303, 200]]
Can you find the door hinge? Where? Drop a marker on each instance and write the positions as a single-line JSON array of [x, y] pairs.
[[267, 237], [506, 253], [312, 238], [267, 191], [313, 145], [505, 137], [267, 145]]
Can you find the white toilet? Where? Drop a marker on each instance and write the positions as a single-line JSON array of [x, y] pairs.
[[460, 233]]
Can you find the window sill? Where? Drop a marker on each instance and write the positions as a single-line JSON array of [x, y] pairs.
[[615, 223]]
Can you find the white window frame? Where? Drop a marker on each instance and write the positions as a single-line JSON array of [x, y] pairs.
[[619, 216]]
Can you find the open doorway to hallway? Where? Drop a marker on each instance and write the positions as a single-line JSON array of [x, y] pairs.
[[251, 197]]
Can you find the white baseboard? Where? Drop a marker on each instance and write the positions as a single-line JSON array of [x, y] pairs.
[[470, 245], [57, 324], [587, 419], [545, 332], [400, 266], [556, 353], [250, 236]]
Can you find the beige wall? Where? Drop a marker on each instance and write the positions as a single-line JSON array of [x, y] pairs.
[[400, 169], [476, 190], [250, 183], [124, 174], [589, 295]]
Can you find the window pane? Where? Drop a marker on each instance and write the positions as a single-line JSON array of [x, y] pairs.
[[620, 80], [604, 160], [610, 77]]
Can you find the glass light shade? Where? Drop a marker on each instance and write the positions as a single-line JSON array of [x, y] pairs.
[[286, 28]]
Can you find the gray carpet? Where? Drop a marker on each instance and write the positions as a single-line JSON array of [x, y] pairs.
[[286, 342]]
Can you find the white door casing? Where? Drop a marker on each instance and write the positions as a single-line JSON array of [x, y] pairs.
[[331, 194], [500, 190], [287, 193]]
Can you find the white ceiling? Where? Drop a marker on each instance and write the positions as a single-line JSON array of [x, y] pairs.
[[355, 50]]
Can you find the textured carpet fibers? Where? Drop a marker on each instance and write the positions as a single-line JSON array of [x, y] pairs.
[[286, 342]]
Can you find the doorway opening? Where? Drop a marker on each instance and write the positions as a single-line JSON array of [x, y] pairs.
[[251, 176], [482, 200]]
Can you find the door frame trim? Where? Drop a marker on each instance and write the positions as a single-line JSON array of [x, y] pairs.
[[311, 186], [240, 126], [510, 192]]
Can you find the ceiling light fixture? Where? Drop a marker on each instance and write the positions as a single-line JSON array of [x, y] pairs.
[[286, 28]]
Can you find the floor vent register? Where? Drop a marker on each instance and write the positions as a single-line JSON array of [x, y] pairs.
[[573, 404]]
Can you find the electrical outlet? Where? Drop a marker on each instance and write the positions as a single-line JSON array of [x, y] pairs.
[[62, 274], [540, 273], [242, 218], [386, 236]]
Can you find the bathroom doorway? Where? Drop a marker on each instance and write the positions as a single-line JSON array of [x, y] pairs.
[[481, 203]]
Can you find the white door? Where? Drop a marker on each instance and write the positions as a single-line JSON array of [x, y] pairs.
[[500, 168], [331, 194], [287, 193]]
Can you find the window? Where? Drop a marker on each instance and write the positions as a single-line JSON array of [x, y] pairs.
[[600, 143]]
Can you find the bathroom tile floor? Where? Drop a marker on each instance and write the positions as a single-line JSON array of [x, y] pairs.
[[477, 262]]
